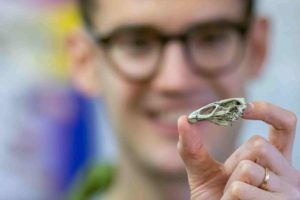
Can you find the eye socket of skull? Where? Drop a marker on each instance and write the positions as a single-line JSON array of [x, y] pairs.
[[208, 110], [238, 103]]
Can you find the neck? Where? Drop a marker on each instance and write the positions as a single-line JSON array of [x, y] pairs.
[[133, 182]]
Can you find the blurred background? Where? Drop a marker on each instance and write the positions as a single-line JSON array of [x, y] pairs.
[[49, 131]]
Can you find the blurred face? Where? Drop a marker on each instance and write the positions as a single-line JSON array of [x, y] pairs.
[[144, 113]]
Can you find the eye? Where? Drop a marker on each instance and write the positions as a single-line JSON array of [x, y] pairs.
[[211, 38], [137, 44]]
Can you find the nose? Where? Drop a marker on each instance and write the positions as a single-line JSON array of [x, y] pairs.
[[175, 74]]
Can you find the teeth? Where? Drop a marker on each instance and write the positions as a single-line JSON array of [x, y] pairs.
[[171, 117]]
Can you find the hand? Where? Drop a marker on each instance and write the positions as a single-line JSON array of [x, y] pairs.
[[248, 164], [244, 171]]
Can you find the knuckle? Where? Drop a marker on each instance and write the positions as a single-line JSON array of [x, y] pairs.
[[255, 138], [258, 141], [192, 153], [236, 189], [259, 148], [259, 145], [292, 120], [246, 168]]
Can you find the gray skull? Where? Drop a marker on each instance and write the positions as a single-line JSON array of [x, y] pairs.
[[222, 112]]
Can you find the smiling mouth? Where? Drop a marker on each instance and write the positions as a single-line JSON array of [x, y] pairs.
[[165, 121], [162, 112], [169, 117]]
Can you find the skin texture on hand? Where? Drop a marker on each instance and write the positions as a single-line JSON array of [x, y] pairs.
[[243, 172], [211, 179]]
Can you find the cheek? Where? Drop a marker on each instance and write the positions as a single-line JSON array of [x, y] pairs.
[[122, 98], [233, 84]]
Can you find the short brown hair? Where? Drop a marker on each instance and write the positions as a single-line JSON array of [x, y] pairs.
[[87, 8]]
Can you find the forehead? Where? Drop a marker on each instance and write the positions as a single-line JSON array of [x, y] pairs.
[[170, 15]]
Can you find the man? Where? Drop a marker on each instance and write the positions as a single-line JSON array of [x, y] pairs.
[[153, 61]]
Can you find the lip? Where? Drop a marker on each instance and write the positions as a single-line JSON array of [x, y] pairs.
[[165, 127], [170, 130], [161, 112]]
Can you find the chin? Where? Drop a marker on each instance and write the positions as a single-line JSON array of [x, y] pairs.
[[167, 170], [154, 151], [165, 162]]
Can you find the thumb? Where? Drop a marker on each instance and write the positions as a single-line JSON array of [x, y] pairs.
[[200, 166]]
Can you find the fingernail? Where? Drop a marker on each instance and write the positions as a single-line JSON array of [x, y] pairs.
[[248, 109]]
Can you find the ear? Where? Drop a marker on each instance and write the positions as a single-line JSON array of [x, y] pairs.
[[82, 60], [259, 42]]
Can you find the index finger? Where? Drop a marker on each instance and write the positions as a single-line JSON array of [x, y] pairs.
[[283, 124]]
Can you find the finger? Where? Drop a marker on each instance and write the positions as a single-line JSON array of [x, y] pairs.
[[253, 174], [283, 124], [259, 150], [199, 164], [242, 191]]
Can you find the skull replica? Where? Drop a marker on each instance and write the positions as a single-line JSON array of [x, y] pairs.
[[222, 112]]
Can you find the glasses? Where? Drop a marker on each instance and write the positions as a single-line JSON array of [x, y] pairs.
[[210, 49]]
